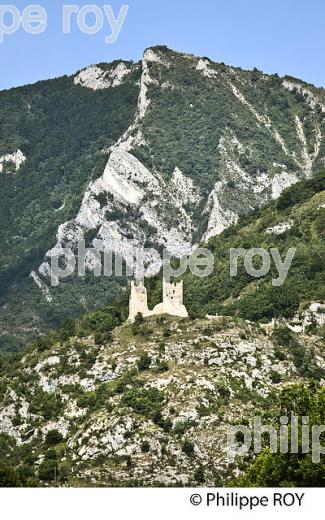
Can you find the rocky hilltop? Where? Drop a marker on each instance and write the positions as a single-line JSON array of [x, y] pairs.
[[148, 406]]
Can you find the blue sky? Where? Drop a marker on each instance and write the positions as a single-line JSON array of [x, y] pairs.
[[284, 36]]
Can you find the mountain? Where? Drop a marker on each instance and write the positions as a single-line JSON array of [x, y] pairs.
[[168, 152]]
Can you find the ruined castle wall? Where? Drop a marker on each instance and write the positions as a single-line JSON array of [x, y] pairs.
[[172, 303]]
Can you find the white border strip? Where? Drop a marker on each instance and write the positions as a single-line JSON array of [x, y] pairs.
[[165, 504]]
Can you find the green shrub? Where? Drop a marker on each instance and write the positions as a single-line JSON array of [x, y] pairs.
[[103, 337], [275, 377], [144, 362], [284, 337], [199, 476], [188, 448], [145, 447], [279, 354], [145, 401], [162, 366], [47, 470], [10, 478], [53, 437]]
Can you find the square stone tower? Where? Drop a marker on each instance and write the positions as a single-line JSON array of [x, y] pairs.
[[138, 301], [173, 293], [172, 303]]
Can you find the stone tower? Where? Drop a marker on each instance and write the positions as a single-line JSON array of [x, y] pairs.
[[172, 303], [138, 301], [173, 293]]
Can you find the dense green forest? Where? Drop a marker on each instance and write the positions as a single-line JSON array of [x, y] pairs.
[[64, 133], [256, 298], [290, 469]]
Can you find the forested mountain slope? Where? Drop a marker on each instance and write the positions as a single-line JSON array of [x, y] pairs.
[[295, 221], [168, 152]]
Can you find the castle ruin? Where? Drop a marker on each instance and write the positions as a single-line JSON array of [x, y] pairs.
[[172, 303]]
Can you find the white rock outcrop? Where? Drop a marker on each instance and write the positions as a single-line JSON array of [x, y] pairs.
[[96, 78], [16, 158], [281, 228]]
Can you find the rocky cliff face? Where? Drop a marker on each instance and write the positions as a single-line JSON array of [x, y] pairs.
[[199, 144]]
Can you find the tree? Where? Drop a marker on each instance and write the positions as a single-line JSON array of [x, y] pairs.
[[188, 448], [53, 437], [291, 469], [144, 362], [9, 477], [48, 470]]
